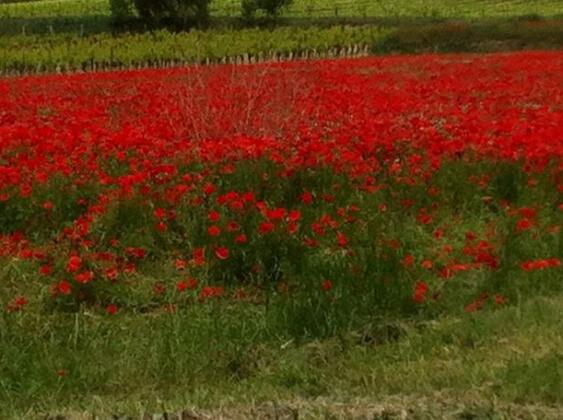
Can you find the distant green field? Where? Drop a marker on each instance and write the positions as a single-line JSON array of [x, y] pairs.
[[93, 16], [317, 8], [54, 9]]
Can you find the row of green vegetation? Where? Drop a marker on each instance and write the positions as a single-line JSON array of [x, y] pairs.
[[28, 54]]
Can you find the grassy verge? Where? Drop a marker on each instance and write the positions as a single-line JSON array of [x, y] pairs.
[[29, 54], [473, 365]]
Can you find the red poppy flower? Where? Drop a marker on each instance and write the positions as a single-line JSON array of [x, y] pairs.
[[45, 270], [523, 225], [265, 227], [84, 277], [341, 239], [326, 285], [408, 260], [306, 198], [179, 264], [427, 264], [222, 253], [210, 292], [198, 256], [184, 285], [63, 288], [294, 216], [159, 288], [213, 231], [160, 227], [73, 263], [111, 309], [420, 290], [213, 216], [16, 304]]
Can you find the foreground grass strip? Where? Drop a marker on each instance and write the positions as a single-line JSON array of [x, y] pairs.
[[507, 361]]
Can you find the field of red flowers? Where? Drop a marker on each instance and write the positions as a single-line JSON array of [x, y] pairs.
[[404, 183]]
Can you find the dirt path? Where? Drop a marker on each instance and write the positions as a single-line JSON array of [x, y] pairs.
[[399, 408]]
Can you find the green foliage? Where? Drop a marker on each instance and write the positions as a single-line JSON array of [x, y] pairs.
[[121, 10], [173, 11], [479, 36], [270, 7]]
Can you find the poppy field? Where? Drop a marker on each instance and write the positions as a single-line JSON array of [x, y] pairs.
[[326, 195], [398, 180]]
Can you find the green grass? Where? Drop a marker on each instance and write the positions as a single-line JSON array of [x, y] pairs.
[[54, 8], [225, 357], [425, 8], [477, 37]]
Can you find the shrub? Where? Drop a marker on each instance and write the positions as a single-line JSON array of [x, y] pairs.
[[174, 11], [121, 10], [270, 7]]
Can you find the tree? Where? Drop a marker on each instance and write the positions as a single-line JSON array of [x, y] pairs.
[[173, 11], [121, 10], [270, 7]]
